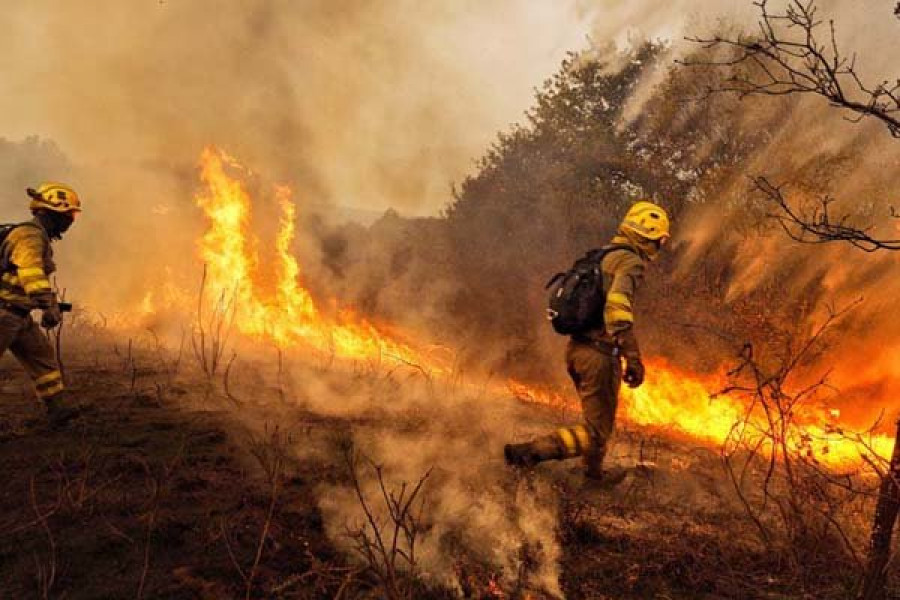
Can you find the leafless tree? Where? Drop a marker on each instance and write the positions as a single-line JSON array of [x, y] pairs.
[[794, 52], [790, 55], [388, 545], [886, 511]]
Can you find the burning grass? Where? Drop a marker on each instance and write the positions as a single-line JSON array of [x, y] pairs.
[[286, 314], [163, 462], [283, 312], [486, 531]]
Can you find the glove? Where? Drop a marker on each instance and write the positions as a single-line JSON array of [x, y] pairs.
[[634, 372], [51, 316], [634, 368]]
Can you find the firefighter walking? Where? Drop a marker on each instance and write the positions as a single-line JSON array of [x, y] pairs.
[[26, 263], [594, 356]]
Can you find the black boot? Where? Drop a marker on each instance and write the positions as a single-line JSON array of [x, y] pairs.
[[520, 455], [538, 450], [60, 411]]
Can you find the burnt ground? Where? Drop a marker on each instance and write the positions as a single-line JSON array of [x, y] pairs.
[[159, 491], [140, 498]]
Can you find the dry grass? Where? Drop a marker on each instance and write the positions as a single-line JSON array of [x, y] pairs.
[[234, 500]]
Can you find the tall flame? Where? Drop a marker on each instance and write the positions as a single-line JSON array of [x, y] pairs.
[[289, 316]]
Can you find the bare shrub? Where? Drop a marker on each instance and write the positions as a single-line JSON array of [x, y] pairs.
[[168, 365], [799, 507], [46, 570], [387, 543], [158, 479], [211, 332], [225, 381]]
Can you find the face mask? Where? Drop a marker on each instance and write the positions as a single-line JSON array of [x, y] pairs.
[[63, 222], [56, 224]]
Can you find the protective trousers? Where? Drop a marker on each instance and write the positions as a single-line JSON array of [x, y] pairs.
[[597, 374], [21, 335]]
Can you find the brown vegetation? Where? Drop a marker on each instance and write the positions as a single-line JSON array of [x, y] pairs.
[[178, 495]]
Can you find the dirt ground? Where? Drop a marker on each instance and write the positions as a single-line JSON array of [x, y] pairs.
[[140, 498], [167, 487]]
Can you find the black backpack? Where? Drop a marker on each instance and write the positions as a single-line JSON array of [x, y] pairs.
[[577, 297]]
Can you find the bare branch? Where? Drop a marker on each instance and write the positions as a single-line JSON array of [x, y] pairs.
[[272, 453], [388, 546], [772, 455], [813, 223], [788, 56]]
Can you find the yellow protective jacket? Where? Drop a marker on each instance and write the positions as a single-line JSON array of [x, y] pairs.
[[26, 263], [623, 273]]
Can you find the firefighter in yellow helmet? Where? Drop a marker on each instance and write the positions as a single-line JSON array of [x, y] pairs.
[[594, 357], [26, 263]]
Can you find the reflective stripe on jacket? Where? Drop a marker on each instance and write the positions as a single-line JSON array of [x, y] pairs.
[[26, 263], [623, 272]]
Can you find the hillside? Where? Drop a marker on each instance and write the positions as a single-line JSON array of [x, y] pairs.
[[164, 489]]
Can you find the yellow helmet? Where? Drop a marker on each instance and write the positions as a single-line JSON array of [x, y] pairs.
[[647, 220], [57, 197]]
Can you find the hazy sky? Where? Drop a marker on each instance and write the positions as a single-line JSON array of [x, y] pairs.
[[365, 104], [358, 103]]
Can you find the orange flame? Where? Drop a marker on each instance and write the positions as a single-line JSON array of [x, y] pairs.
[[288, 316], [684, 403]]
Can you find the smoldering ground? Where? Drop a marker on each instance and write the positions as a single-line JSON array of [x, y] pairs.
[[473, 508]]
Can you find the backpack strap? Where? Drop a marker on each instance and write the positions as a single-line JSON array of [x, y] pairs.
[[597, 254], [613, 247], [554, 279], [6, 228]]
